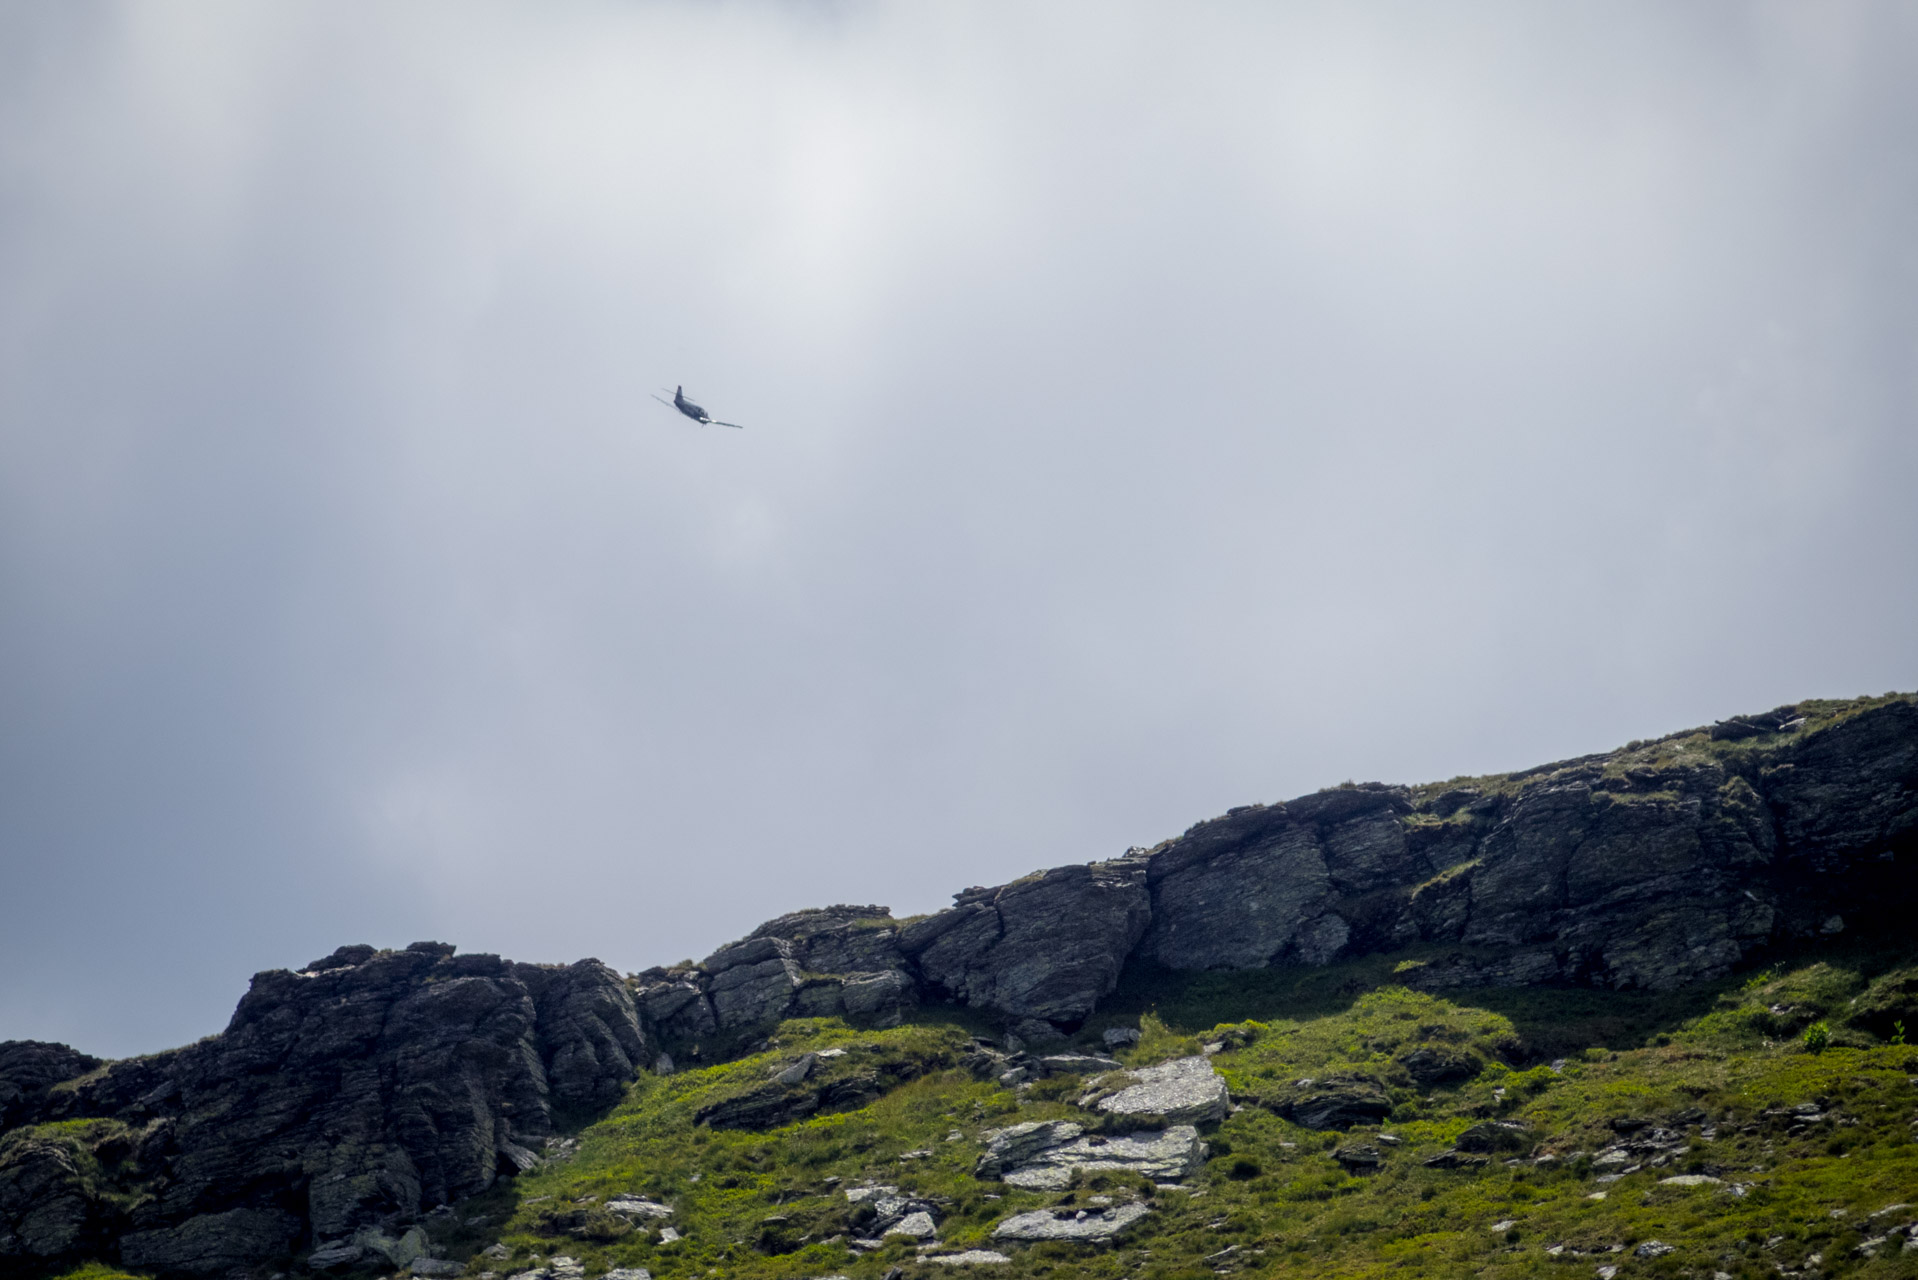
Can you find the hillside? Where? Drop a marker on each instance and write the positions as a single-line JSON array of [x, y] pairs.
[[1474, 1027]]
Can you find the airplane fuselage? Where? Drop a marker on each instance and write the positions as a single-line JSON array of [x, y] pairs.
[[691, 410]]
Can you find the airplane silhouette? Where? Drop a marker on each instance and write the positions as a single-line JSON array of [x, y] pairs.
[[693, 411]]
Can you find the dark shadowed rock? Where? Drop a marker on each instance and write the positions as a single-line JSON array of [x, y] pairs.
[[1359, 1158], [360, 1092], [28, 1068], [839, 962], [1847, 796], [1490, 1136], [1430, 1065], [1048, 946], [46, 1208], [213, 1243], [752, 982], [676, 1005], [588, 1032], [1239, 906], [1335, 1102]]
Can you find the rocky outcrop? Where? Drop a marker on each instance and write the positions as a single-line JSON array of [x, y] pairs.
[[1651, 867], [47, 1208], [839, 961], [28, 1069], [358, 1091], [1048, 946]]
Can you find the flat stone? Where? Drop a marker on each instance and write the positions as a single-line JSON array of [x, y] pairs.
[[1184, 1091], [1077, 1064], [631, 1206], [436, 1267], [336, 1254], [628, 1273], [1691, 1180], [1009, 1147], [970, 1258], [1165, 1155], [1120, 1037], [917, 1225], [859, 1194], [798, 1071], [1060, 1224]]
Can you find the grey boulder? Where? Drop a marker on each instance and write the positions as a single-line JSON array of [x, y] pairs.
[[1163, 1155], [1084, 1225], [1048, 946], [1182, 1091]]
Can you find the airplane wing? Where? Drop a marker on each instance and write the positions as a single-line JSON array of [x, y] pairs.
[[664, 401], [715, 422]]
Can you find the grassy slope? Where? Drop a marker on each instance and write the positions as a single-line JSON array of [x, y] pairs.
[[1271, 1193]]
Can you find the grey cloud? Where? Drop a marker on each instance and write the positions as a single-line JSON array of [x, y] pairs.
[[1148, 413]]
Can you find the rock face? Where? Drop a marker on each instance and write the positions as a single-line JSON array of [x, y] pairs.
[[1048, 946], [46, 1208], [28, 1068], [358, 1091], [1649, 868], [1646, 869], [839, 961]]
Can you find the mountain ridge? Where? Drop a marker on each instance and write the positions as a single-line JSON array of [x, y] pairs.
[[370, 1086]]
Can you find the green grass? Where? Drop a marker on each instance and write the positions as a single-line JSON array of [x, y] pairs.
[[1271, 1201]]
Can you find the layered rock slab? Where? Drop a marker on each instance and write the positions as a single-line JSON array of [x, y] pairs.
[[1163, 1155], [1182, 1091], [1082, 1225]]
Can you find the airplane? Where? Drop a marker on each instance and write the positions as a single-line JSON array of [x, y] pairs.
[[693, 411]]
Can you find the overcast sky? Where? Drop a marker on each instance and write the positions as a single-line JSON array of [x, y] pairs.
[[1150, 409]]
